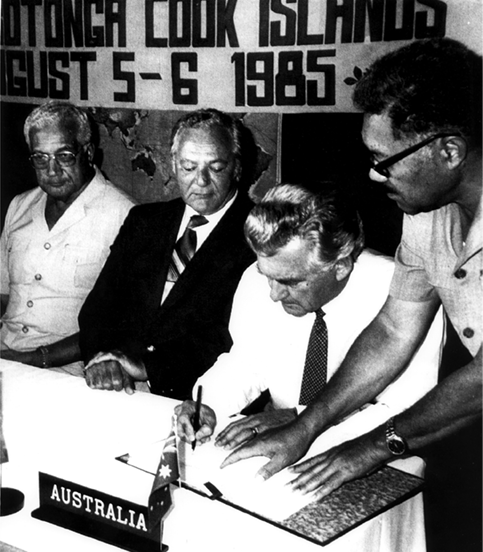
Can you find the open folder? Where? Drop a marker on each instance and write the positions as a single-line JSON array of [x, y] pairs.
[[238, 484], [319, 521]]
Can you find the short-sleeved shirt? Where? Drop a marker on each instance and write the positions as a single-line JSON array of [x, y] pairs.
[[47, 274], [433, 260]]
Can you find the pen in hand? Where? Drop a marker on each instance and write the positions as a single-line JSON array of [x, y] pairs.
[[196, 417]]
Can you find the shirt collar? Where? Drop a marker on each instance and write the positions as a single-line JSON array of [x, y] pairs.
[[212, 219]]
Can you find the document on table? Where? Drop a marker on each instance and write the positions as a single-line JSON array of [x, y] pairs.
[[238, 484]]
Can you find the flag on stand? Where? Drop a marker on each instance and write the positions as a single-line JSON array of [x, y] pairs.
[[160, 496]]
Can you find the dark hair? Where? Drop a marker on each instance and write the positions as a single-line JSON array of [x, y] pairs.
[[428, 86], [319, 213]]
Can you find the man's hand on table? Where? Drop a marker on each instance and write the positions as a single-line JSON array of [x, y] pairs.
[[184, 414], [114, 371], [247, 428], [283, 446], [350, 460]]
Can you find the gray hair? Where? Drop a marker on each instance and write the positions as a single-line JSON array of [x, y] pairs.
[[207, 119], [324, 217], [64, 114]]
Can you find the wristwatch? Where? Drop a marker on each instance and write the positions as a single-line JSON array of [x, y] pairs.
[[394, 442], [44, 355]]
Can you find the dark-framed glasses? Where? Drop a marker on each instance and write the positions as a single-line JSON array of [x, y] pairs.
[[41, 160], [382, 167]]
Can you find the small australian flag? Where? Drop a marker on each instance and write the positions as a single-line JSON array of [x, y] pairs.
[[160, 497]]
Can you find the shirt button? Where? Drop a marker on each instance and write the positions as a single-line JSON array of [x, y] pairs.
[[47, 245], [25, 329], [460, 273], [30, 303], [468, 332], [38, 277]]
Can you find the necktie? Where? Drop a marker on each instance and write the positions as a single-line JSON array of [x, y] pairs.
[[315, 370], [185, 248]]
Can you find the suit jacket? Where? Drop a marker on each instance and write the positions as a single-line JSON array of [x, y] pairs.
[[179, 340]]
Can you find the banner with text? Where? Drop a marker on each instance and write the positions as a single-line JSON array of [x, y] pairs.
[[236, 55]]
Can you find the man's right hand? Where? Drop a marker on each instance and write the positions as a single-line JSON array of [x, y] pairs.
[[284, 446], [113, 371], [184, 420]]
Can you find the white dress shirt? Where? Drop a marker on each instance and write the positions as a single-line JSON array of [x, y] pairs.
[[270, 345]]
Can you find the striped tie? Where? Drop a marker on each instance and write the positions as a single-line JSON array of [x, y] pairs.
[[185, 248], [315, 370]]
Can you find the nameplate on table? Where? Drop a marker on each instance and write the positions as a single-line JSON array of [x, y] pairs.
[[95, 514]]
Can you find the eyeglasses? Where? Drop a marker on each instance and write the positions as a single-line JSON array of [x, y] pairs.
[[382, 167], [41, 160]]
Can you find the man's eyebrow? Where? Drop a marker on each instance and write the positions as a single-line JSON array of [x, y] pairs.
[[288, 281]]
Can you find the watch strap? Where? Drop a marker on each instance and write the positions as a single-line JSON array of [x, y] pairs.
[[45, 356]]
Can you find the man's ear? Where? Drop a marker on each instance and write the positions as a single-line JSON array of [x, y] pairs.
[[343, 268], [237, 171], [454, 151], [90, 153]]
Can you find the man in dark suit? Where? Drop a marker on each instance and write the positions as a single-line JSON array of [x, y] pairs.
[[160, 308]]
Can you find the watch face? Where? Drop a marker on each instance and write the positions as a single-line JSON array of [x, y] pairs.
[[396, 445]]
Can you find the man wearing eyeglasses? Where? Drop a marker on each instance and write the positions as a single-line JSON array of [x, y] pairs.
[[422, 127], [55, 240]]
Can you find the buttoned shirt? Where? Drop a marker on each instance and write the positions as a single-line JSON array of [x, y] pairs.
[[435, 261], [47, 274], [270, 345]]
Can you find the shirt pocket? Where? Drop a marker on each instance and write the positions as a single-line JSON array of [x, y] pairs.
[[18, 260]]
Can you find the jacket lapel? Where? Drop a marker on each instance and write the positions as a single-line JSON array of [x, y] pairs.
[[157, 248], [213, 254]]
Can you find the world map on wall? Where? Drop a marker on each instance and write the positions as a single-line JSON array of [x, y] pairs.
[[134, 151]]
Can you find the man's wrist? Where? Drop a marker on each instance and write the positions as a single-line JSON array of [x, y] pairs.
[[308, 425], [395, 443], [45, 360]]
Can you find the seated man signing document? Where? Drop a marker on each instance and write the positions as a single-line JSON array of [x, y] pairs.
[[309, 247]]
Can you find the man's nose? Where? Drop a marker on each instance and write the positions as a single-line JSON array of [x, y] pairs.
[[52, 166], [377, 177], [277, 291], [203, 177]]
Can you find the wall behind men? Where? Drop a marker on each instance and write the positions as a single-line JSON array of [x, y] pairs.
[[132, 151], [286, 68]]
